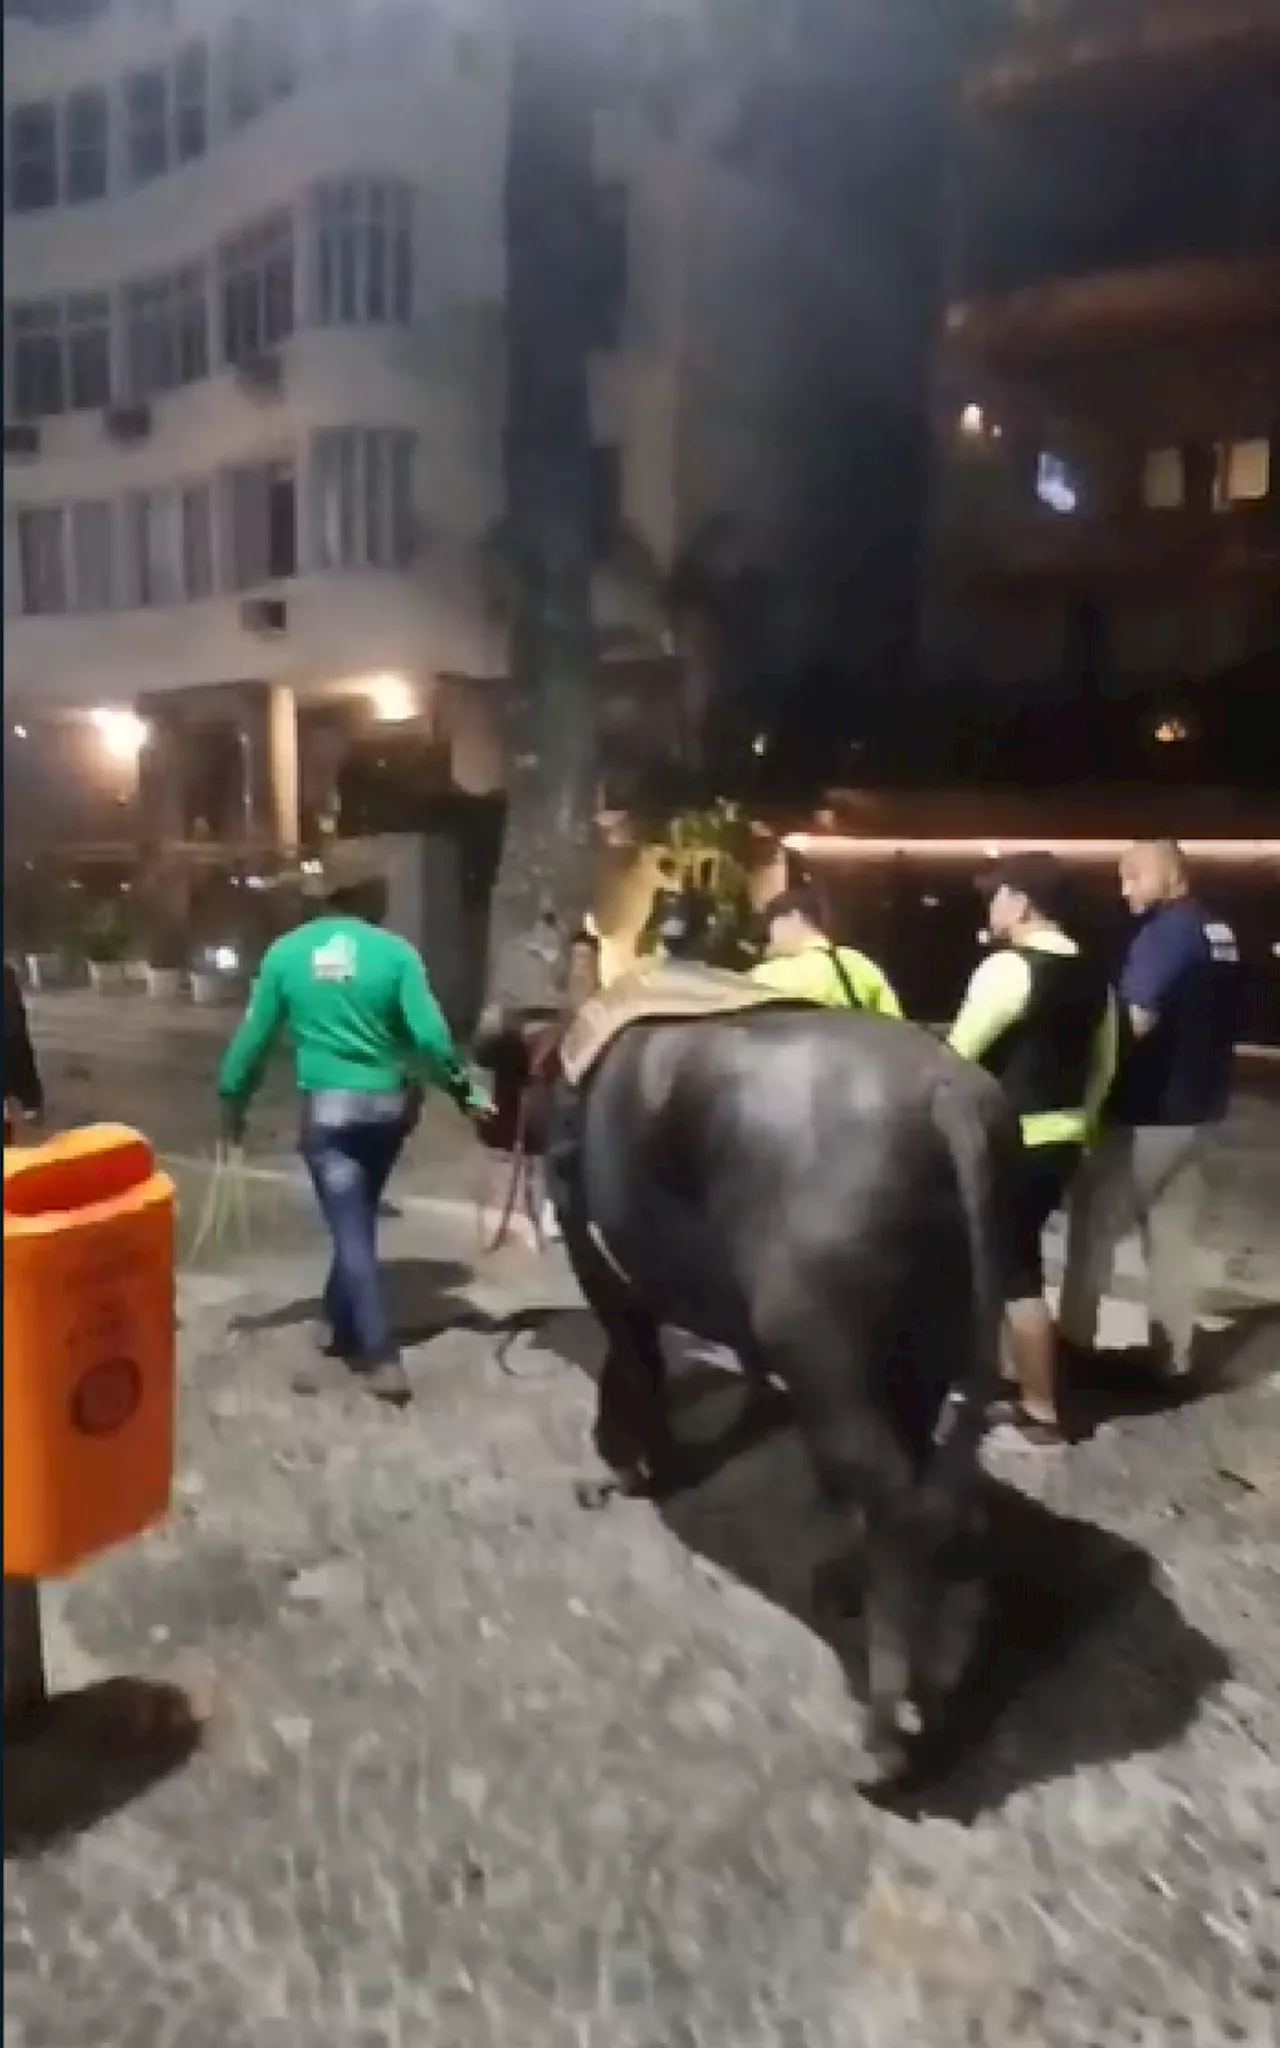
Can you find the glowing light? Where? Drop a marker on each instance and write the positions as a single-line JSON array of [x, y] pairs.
[[972, 421], [20, 732], [1055, 487], [393, 699], [1170, 731], [840, 846], [760, 744], [123, 733], [225, 958]]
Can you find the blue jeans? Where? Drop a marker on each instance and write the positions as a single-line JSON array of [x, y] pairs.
[[351, 1143]]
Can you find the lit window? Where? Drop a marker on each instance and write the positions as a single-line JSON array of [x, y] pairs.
[[1055, 486], [85, 145], [363, 252], [31, 157], [1164, 483], [1242, 473]]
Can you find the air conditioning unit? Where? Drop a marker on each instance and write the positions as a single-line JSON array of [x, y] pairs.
[[266, 616], [262, 376], [127, 423], [21, 440]]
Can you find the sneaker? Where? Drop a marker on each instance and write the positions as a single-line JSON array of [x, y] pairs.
[[1170, 1364], [1014, 1430], [385, 1381]]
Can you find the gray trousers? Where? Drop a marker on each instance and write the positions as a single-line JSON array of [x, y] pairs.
[[1152, 1179]]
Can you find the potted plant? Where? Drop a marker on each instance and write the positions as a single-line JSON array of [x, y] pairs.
[[106, 945], [36, 925], [216, 976], [166, 962]]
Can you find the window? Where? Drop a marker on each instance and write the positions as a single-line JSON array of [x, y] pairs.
[[42, 566], [363, 252], [88, 351], [32, 157], [363, 498], [167, 331], [92, 557], [282, 520], [191, 324], [606, 499], [1164, 480], [37, 374], [260, 64], [149, 336], [242, 80], [152, 538], [259, 523], [257, 289], [146, 117], [191, 103], [196, 517], [1242, 473], [85, 146]]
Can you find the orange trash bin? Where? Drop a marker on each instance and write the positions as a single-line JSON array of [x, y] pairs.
[[89, 1347]]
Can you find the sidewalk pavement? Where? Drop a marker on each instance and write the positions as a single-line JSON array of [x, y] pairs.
[[473, 1770]]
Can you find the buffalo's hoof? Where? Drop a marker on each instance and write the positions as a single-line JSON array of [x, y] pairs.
[[594, 1494], [892, 1740]]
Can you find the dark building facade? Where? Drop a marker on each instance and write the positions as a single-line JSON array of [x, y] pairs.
[[1107, 513]]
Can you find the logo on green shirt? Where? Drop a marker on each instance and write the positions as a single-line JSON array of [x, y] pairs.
[[335, 960]]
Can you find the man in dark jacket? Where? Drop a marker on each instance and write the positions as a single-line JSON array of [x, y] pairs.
[[1181, 994]]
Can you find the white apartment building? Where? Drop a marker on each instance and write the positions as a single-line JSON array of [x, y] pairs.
[[255, 380], [253, 373]]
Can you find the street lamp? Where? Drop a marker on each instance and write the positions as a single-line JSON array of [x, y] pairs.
[[122, 733], [393, 699]]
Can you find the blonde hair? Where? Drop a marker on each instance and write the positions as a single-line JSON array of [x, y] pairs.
[[1166, 863]]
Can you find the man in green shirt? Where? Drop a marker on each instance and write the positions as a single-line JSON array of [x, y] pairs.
[[803, 962], [366, 1032], [1040, 1015]]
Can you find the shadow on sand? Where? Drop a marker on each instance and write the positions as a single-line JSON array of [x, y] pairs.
[[90, 1753], [1082, 1657]]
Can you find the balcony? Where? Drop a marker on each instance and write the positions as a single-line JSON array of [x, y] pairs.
[[1101, 43], [1176, 552], [1123, 308]]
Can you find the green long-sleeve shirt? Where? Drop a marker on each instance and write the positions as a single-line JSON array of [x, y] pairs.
[[357, 1005]]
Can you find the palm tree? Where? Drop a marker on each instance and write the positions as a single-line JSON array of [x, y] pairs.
[[551, 331], [705, 64]]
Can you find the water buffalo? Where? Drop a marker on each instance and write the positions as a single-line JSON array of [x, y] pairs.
[[824, 1194]]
